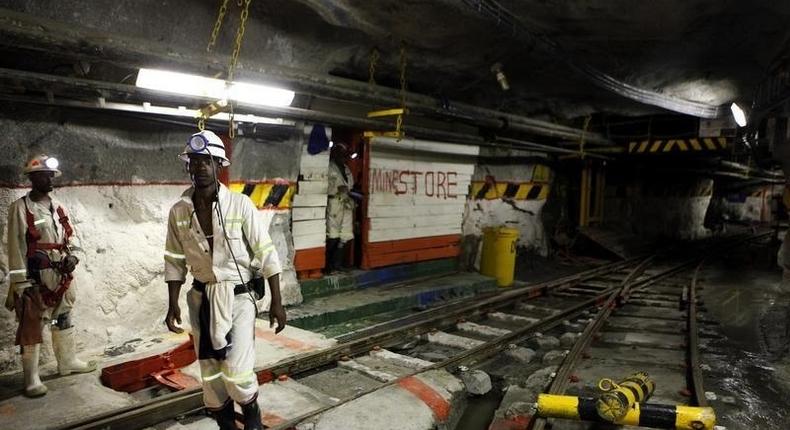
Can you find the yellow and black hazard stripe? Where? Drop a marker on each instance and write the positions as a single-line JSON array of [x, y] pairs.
[[618, 398], [678, 145], [483, 190], [640, 414], [269, 195]]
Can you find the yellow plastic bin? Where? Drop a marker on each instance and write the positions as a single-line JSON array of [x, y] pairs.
[[499, 254], [487, 259]]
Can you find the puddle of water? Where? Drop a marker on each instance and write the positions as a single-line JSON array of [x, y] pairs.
[[480, 410], [754, 368]]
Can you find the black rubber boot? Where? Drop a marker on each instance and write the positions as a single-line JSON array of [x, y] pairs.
[[252, 415], [340, 256], [331, 253], [226, 417]]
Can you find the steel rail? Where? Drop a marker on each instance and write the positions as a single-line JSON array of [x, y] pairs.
[[182, 402], [560, 382], [469, 356], [562, 376], [492, 347], [694, 370]]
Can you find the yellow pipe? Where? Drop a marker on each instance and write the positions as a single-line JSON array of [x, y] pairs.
[[678, 417]]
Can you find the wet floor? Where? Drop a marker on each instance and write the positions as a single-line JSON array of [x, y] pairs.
[[748, 368]]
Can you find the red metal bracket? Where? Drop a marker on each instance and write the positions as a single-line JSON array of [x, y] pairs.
[[137, 374]]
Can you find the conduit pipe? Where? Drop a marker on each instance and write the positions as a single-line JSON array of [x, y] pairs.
[[310, 116], [24, 31]]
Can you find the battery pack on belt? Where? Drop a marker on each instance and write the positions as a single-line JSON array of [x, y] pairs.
[[238, 289]]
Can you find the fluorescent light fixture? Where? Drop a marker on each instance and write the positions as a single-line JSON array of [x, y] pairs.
[[738, 114], [52, 163], [193, 113], [199, 86]]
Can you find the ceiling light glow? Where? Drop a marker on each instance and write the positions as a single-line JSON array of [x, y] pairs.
[[738, 114], [199, 86]]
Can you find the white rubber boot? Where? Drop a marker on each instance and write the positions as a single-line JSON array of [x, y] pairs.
[[68, 363], [33, 385]]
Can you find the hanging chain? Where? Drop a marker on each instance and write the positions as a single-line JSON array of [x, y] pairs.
[[374, 59], [234, 57], [399, 120], [231, 129], [403, 74], [223, 9]]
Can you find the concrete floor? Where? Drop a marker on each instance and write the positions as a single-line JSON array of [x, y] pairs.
[[745, 354], [76, 397]]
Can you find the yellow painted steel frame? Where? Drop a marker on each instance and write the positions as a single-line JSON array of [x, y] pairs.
[[591, 211], [584, 211], [386, 112]]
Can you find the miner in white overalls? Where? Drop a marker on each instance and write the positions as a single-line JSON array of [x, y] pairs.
[[339, 207], [220, 236], [40, 263]]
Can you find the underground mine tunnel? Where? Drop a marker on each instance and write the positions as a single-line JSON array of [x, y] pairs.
[[462, 215]]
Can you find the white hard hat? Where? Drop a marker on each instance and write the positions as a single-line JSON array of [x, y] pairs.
[[208, 143], [42, 163]]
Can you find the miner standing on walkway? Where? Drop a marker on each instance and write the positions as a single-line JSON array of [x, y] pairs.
[[220, 236]]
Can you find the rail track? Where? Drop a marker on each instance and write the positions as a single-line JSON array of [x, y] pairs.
[[472, 333], [648, 326]]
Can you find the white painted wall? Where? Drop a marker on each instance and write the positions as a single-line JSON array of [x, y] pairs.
[[119, 281], [309, 203], [523, 215], [495, 213], [417, 188]]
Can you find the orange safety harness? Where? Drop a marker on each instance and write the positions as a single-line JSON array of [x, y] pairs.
[[50, 298]]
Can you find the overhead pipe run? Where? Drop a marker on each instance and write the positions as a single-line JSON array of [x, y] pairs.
[[85, 88], [749, 169], [293, 114], [23, 31]]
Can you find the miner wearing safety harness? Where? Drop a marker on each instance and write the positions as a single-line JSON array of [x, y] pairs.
[[41, 269], [220, 236]]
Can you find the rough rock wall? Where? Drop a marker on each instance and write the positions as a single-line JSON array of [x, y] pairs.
[[121, 177], [656, 207], [508, 190]]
